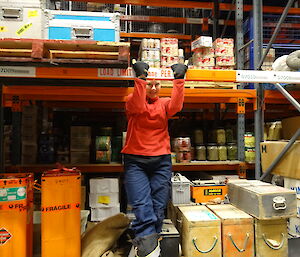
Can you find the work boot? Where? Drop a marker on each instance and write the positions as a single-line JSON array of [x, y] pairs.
[[147, 246]]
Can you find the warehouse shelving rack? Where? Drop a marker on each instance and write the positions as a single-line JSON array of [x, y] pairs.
[[14, 96]]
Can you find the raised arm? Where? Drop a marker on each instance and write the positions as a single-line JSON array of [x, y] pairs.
[[136, 101], [175, 104]]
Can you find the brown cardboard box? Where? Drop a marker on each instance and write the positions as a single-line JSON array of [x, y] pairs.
[[290, 126], [289, 166]]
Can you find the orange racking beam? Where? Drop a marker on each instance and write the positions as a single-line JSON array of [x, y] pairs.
[[155, 35], [190, 4], [117, 94]]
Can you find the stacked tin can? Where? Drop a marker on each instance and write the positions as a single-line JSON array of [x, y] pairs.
[[183, 149], [103, 145], [150, 52]]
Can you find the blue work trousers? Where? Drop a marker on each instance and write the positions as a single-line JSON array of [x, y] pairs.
[[148, 185]]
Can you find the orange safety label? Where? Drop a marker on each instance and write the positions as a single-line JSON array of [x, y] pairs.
[[61, 207], [4, 236]]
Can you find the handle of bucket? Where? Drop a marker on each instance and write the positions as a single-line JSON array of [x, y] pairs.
[[205, 251], [245, 243], [271, 243]]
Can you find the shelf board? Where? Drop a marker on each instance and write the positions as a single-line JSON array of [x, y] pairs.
[[118, 168]]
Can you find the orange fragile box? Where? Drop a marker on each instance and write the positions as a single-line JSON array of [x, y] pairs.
[[237, 230], [60, 214], [14, 227], [205, 191]]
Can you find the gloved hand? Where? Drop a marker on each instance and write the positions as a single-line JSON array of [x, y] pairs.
[[141, 69], [179, 70]]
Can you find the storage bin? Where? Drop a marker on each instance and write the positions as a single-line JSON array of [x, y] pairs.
[[271, 238], [201, 232], [21, 19], [82, 25], [271, 202], [237, 231], [181, 192]]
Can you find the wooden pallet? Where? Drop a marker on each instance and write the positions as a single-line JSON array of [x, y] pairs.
[[100, 54]]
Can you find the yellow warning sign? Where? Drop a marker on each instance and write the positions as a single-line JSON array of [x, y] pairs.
[[23, 29], [104, 199], [33, 13], [3, 29]]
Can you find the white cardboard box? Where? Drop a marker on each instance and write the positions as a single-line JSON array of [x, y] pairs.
[[104, 185], [97, 200], [99, 214], [294, 226]]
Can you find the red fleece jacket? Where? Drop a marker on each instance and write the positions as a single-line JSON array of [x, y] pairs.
[[147, 130]]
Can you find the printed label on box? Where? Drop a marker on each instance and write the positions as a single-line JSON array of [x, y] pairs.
[[212, 191], [12, 194], [104, 199], [33, 13]]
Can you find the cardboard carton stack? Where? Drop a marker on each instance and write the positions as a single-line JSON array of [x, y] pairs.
[[169, 53], [80, 141], [104, 198], [224, 53], [204, 53]]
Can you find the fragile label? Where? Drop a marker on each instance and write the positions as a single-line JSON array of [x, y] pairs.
[[23, 29], [61, 207], [12, 194], [32, 13], [3, 29], [211, 191], [104, 199], [4, 236]]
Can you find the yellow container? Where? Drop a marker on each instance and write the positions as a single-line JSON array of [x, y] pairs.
[[13, 216], [60, 214]]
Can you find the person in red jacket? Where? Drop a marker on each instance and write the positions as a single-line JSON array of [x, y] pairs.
[[147, 159]]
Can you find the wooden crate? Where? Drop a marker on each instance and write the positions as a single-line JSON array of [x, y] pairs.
[[237, 231], [271, 239], [201, 232], [203, 84]]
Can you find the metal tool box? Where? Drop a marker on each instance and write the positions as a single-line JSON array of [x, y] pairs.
[[76, 25], [21, 19], [262, 200], [181, 192]]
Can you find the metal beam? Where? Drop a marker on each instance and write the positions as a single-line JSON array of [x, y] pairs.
[[240, 66], [228, 17], [279, 157], [259, 120], [275, 33], [1, 131], [292, 100]]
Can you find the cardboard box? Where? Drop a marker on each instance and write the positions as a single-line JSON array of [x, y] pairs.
[[99, 200], [293, 184], [99, 214], [289, 166], [290, 126], [104, 185], [202, 41]]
